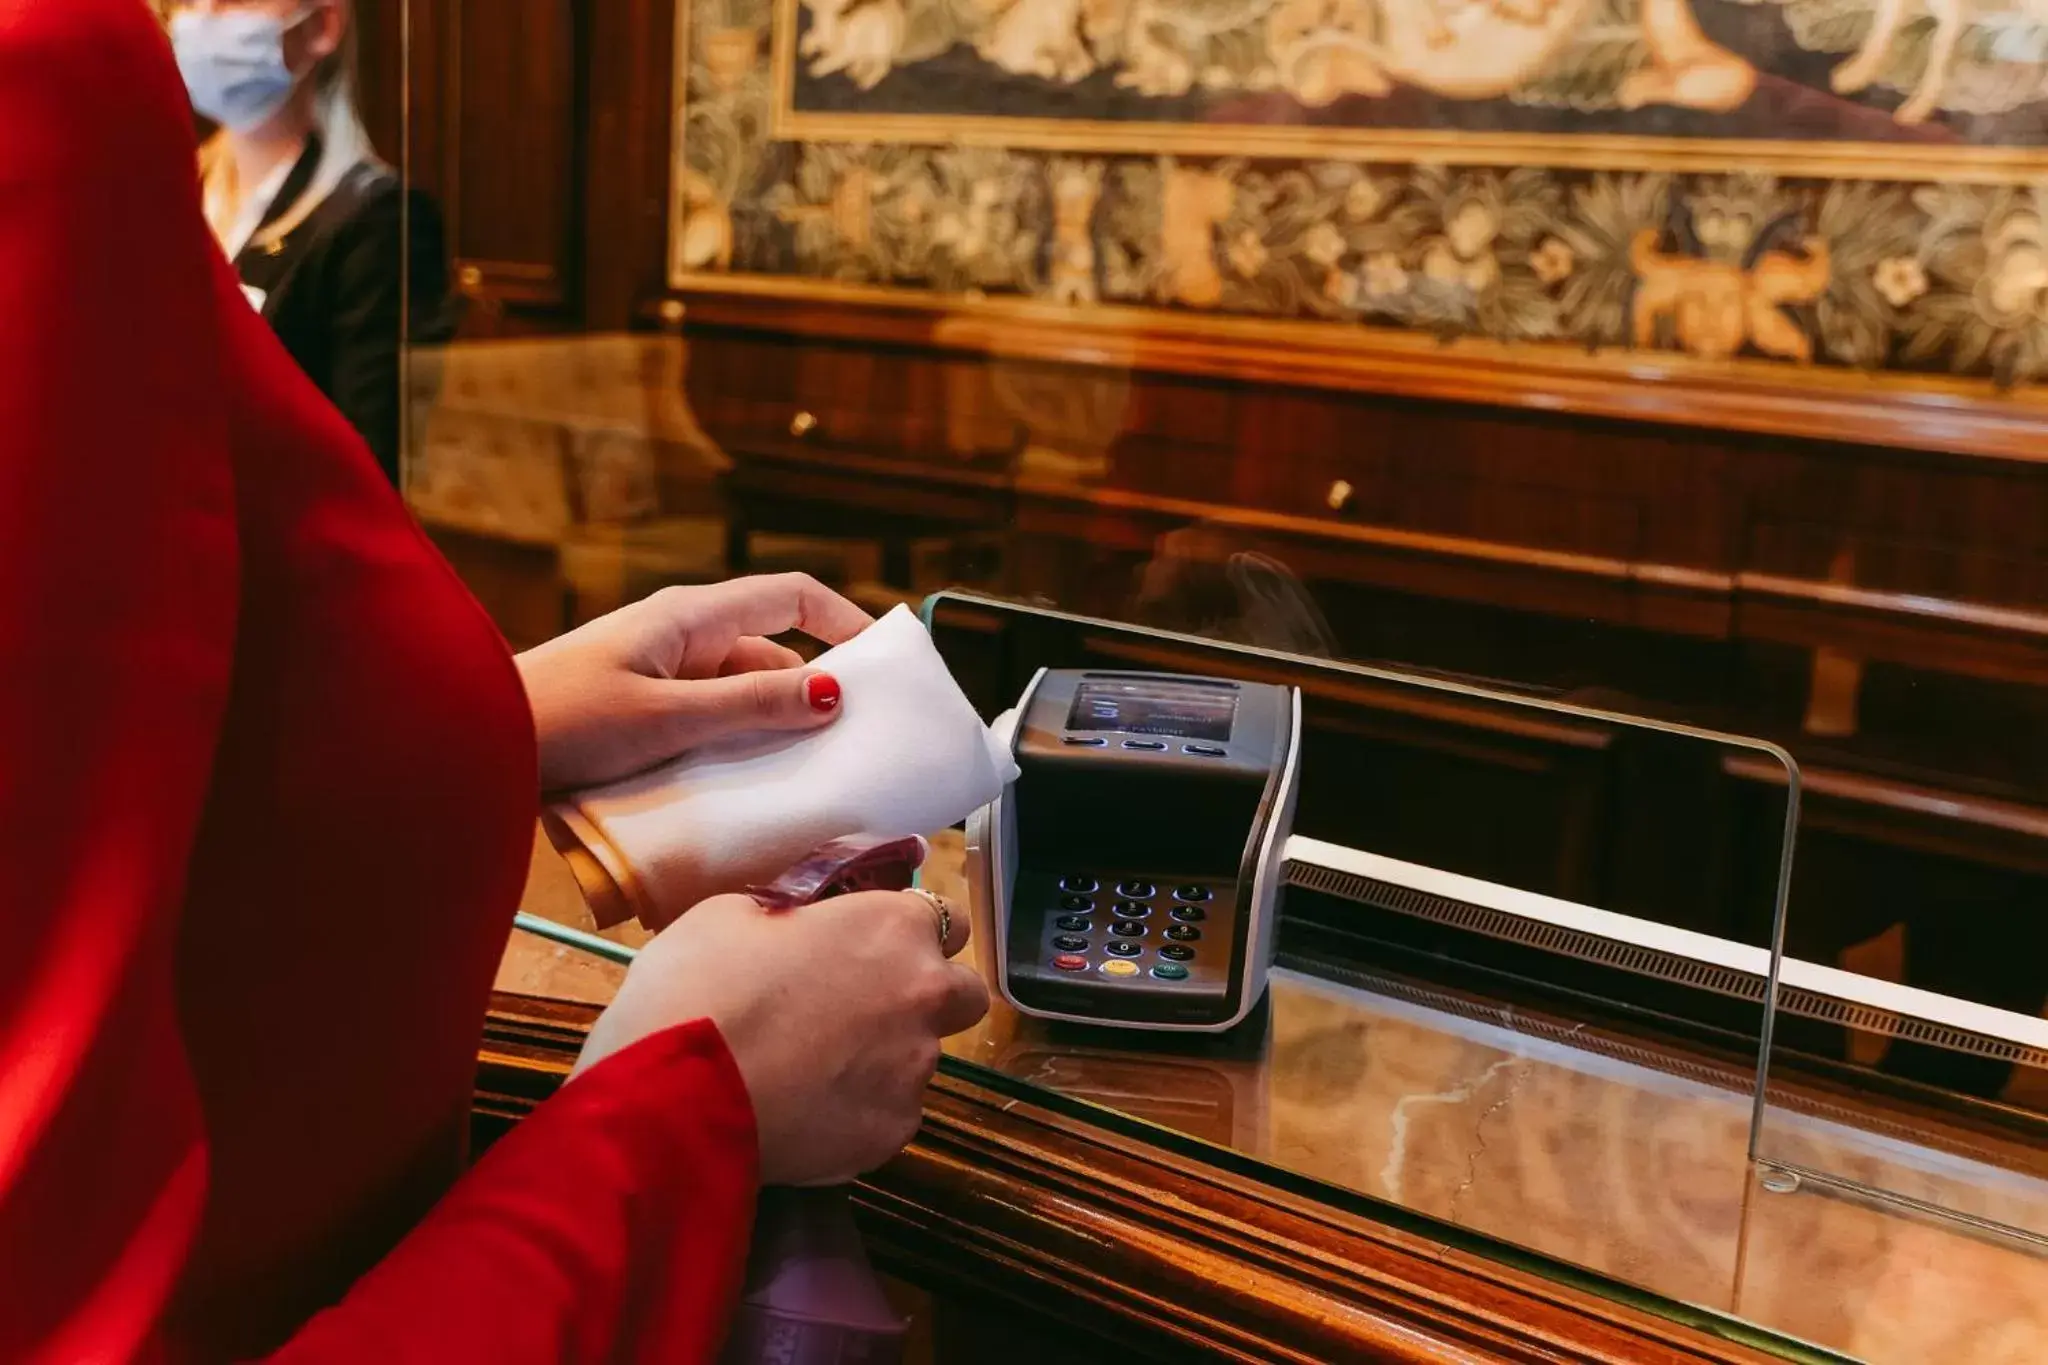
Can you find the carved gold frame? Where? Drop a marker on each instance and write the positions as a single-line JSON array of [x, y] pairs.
[[1601, 152]]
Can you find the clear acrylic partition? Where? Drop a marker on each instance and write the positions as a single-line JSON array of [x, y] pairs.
[[1554, 1048], [1908, 1066]]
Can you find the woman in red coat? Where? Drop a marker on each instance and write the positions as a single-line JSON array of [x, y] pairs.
[[267, 786]]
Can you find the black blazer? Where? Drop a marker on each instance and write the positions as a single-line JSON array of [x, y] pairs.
[[332, 290]]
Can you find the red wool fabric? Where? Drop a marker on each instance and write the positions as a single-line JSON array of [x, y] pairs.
[[267, 787]]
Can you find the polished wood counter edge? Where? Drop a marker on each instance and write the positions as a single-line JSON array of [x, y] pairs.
[[1172, 1256], [1910, 411]]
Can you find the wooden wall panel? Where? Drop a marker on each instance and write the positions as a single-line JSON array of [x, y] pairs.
[[542, 126], [380, 75], [513, 211], [497, 136], [627, 63], [1960, 530]]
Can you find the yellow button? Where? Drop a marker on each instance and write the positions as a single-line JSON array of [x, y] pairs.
[[1117, 966]]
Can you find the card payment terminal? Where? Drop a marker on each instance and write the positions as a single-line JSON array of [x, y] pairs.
[[1129, 876]]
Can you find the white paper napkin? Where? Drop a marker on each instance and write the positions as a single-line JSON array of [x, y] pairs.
[[907, 755]]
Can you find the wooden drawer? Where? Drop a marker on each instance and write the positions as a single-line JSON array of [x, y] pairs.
[[759, 393]]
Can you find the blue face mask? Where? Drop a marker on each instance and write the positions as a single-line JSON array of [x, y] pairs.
[[233, 64]]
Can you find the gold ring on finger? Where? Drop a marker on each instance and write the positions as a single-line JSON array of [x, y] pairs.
[[941, 909]]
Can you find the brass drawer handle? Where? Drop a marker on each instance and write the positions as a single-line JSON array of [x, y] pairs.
[[802, 425], [1339, 496]]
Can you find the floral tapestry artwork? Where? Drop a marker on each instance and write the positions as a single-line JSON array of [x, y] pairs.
[[1857, 183]]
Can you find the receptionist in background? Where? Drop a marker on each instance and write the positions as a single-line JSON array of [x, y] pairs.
[[269, 780], [315, 223]]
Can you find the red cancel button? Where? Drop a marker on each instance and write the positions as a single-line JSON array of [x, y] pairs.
[[1070, 962]]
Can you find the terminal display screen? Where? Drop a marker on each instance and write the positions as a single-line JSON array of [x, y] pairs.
[[1155, 706]]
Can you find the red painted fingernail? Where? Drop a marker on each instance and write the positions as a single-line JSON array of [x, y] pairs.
[[821, 690]]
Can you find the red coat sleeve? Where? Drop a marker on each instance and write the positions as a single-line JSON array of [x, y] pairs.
[[612, 1225]]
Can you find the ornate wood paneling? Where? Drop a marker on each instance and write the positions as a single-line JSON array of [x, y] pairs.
[[1898, 555], [1929, 414]]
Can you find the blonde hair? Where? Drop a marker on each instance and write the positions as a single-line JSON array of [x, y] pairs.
[[344, 142]]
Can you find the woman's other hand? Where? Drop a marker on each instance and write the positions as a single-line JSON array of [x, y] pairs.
[[833, 1011], [680, 668]]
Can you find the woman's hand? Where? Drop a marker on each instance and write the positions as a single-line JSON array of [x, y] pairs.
[[677, 669], [833, 1011]]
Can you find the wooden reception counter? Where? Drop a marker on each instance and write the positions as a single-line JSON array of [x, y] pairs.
[[1373, 1178]]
